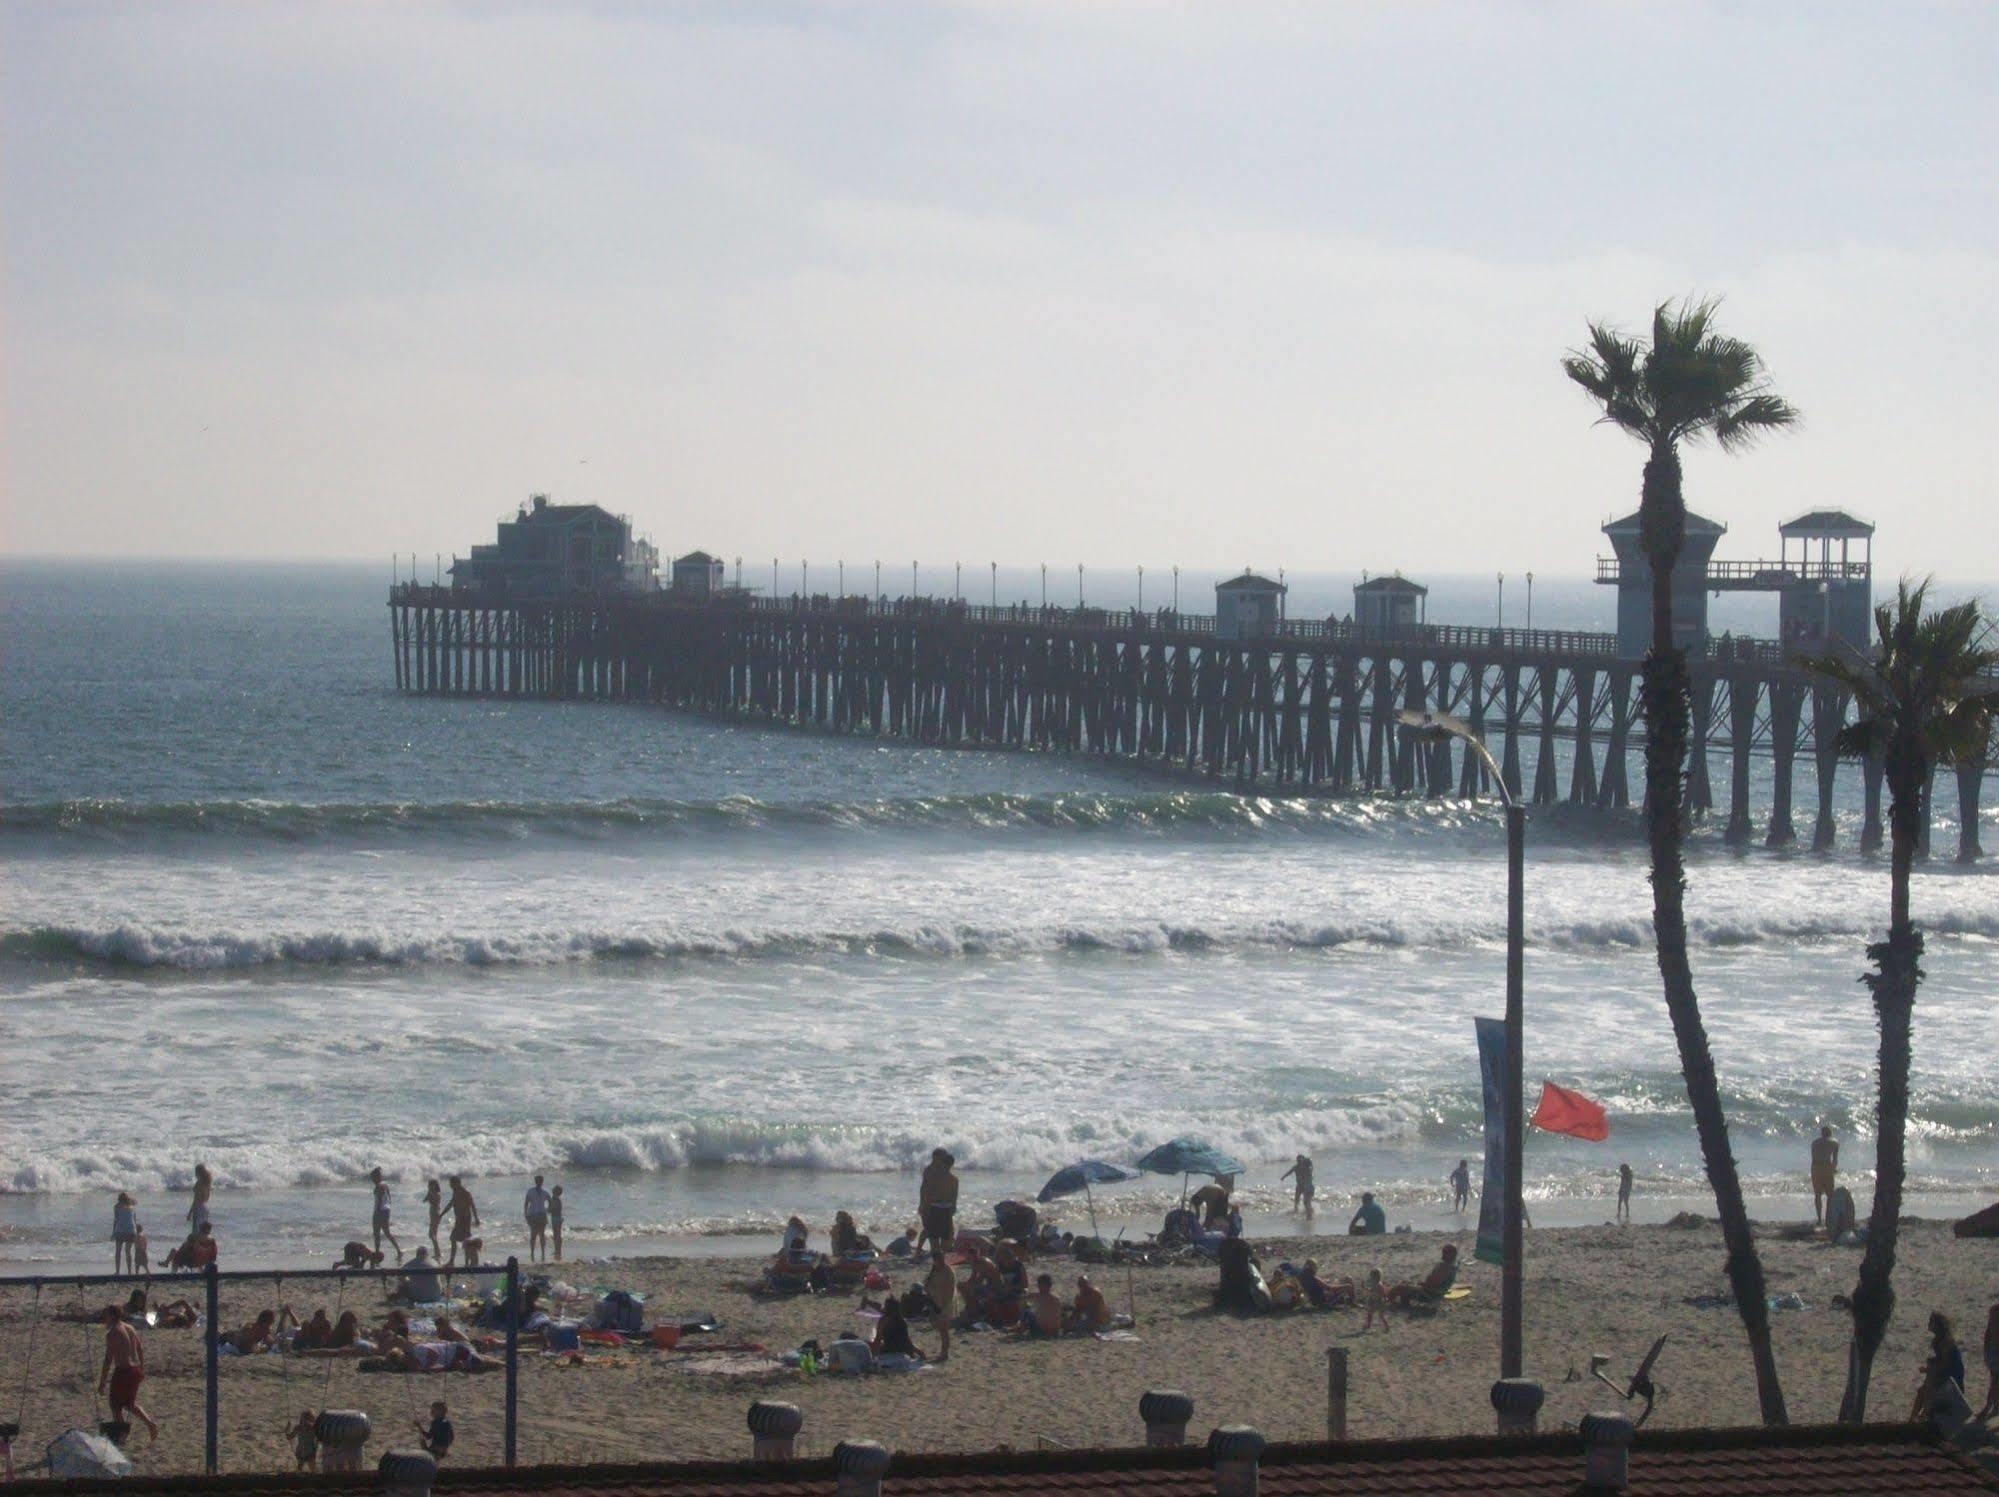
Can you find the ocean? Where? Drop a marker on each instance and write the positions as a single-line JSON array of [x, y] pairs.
[[258, 910]]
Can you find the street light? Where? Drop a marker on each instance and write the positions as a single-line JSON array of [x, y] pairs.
[[1435, 725]]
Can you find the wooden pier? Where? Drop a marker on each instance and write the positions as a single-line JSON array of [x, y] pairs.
[[1311, 706]]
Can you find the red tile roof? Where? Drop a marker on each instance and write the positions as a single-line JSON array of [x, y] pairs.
[[1803, 1461]]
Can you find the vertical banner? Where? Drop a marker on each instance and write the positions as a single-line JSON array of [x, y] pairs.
[[1492, 1072]]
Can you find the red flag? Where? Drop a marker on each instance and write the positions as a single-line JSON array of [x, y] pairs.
[[1564, 1111]]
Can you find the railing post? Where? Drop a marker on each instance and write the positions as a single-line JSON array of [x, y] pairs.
[[212, 1376], [513, 1356]]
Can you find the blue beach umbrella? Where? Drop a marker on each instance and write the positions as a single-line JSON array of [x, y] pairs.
[[1081, 1176], [1189, 1156]]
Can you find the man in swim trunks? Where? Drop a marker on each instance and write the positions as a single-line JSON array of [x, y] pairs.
[[464, 1217], [381, 1219], [1825, 1171], [124, 1369], [937, 1202]]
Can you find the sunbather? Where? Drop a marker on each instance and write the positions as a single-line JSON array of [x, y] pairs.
[[1044, 1310], [1435, 1283], [1091, 1311], [892, 1332]]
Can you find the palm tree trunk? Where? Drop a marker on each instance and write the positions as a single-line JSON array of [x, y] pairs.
[[1662, 516], [1898, 971]]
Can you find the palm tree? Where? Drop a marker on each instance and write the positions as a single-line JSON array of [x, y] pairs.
[[1926, 698], [1689, 384]]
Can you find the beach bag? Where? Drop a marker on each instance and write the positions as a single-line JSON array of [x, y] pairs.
[[619, 1310]]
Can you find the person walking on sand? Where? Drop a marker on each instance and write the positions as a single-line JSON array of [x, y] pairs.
[[1825, 1171], [1624, 1193], [124, 1369], [124, 1232], [534, 1206], [555, 1220], [937, 1201], [464, 1218], [1461, 1185], [1300, 1174], [433, 1198], [381, 1216]]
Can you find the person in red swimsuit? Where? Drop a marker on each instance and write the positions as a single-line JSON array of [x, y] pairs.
[[124, 1368]]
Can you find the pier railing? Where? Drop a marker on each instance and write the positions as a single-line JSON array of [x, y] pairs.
[[1477, 638]]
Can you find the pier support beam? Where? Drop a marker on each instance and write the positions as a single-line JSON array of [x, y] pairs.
[[1968, 778]]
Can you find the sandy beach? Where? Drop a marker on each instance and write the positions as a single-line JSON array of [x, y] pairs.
[[1606, 1289]]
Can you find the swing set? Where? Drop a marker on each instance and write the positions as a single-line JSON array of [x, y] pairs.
[[212, 1280]]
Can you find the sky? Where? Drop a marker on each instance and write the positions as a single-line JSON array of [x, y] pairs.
[[1069, 280]]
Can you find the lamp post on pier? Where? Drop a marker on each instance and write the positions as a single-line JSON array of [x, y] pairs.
[[1435, 725]]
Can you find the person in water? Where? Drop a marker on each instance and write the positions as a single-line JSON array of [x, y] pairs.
[[1300, 1174], [1461, 1185], [1825, 1171]]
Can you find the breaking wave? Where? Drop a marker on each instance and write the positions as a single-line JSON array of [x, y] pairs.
[[177, 948]]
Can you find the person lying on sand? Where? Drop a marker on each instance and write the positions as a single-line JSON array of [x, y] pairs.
[[1091, 1312], [316, 1334], [255, 1336], [1435, 1282]]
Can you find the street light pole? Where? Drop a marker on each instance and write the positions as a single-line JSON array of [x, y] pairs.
[[1512, 1100]]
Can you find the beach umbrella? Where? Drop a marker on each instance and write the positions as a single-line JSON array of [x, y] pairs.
[[1189, 1156], [1081, 1176]]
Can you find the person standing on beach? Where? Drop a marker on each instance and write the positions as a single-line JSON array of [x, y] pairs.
[[124, 1232], [124, 1368], [197, 1211], [555, 1220], [464, 1217], [433, 1197], [1461, 1185], [1301, 1191], [937, 1201], [535, 1208], [381, 1216], [1624, 1192], [1825, 1171]]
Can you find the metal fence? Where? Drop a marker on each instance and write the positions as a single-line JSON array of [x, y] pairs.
[[212, 1280]]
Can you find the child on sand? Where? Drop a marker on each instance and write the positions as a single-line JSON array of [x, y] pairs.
[[1376, 1296], [305, 1443], [437, 1437]]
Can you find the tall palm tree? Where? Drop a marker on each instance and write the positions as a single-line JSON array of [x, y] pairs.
[[1927, 698], [1689, 384]]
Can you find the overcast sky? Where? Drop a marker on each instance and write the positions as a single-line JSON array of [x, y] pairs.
[[1100, 281]]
